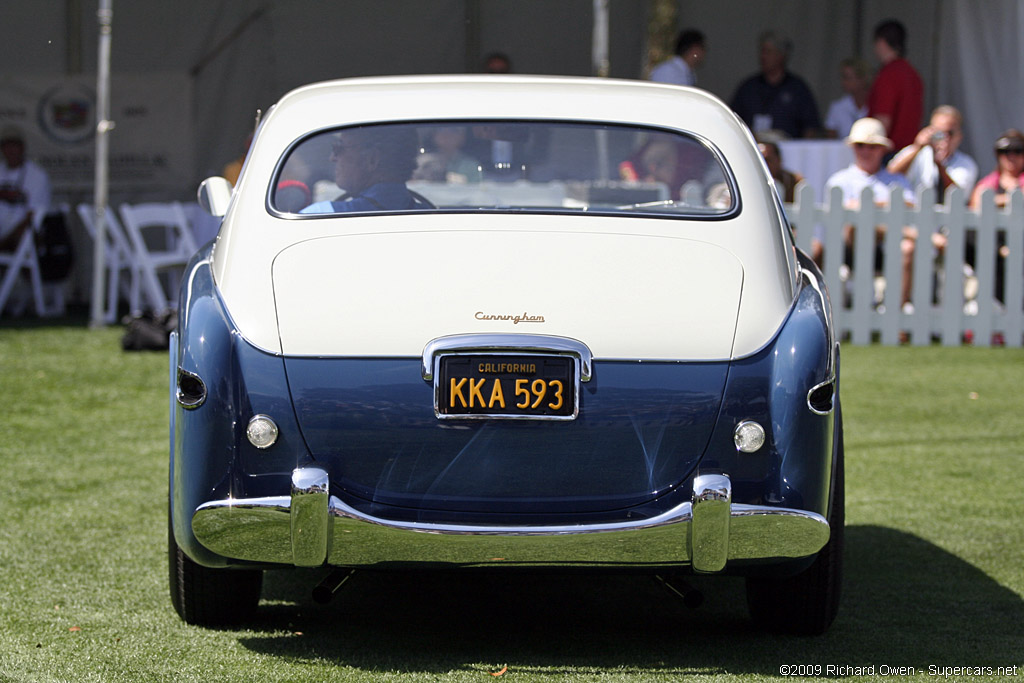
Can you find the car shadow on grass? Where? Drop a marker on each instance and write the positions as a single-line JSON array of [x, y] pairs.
[[906, 603]]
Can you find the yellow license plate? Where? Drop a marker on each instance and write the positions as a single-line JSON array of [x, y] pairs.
[[541, 387]]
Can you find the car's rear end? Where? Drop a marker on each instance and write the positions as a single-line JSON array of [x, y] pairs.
[[558, 369]]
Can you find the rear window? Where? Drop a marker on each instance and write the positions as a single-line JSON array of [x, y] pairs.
[[502, 166]]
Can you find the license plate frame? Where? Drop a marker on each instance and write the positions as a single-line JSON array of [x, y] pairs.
[[464, 385]]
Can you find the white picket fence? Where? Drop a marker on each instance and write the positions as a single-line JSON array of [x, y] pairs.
[[941, 312]]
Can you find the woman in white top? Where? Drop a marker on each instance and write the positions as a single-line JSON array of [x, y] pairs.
[[853, 75]]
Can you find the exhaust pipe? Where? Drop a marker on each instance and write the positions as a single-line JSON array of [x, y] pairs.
[[331, 584], [675, 585]]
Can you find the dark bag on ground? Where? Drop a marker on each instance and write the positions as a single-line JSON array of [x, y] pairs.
[[53, 248], [148, 332]]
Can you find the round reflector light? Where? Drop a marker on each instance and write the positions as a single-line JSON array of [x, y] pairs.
[[262, 431], [749, 436]]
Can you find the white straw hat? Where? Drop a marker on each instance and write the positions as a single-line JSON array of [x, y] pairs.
[[868, 131]]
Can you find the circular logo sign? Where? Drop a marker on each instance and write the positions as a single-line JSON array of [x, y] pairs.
[[67, 113]]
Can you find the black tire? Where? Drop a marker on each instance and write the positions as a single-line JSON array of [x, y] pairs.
[[210, 597], [807, 603]]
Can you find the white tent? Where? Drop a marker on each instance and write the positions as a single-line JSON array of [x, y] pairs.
[[214, 62], [188, 76]]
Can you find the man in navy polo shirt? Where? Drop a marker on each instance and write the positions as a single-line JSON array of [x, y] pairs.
[[775, 98]]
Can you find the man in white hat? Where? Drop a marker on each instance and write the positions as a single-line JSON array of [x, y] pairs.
[[870, 145]]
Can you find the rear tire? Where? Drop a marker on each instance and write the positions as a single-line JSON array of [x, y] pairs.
[[807, 603], [210, 597]]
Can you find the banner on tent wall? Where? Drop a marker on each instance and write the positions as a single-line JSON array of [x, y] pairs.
[[150, 144]]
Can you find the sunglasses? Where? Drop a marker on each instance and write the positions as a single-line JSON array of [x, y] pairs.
[[1011, 150]]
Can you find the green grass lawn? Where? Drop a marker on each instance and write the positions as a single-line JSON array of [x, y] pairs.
[[934, 564]]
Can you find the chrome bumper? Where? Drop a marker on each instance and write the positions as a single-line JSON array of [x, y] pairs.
[[311, 527]]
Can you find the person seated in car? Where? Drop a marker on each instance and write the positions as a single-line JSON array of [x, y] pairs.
[[371, 166]]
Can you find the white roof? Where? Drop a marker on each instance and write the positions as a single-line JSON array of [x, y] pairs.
[[749, 309]]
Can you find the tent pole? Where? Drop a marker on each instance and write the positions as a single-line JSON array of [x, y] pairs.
[[599, 46], [104, 15]]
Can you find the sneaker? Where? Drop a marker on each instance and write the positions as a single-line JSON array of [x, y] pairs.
[[970, 284], [879, 287], [908, 308]]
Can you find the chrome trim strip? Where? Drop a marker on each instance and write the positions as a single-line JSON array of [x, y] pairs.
[[830, 371], [826, 305], [676, 515], [262, 530], [506, 342]]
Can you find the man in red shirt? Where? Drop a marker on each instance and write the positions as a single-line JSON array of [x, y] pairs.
[[897, 95]]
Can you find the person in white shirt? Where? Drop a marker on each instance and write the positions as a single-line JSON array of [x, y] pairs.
[[853, 76], [934, 158], [870, 145], [680, 69], [24, 190]]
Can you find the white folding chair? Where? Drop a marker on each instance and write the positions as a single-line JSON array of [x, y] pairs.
[[169, 247], [120, 259], [22, 258]]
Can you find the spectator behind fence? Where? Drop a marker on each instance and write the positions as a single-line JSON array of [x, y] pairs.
[[870, 144], [775, 98], [934, 158], [1009, 173], [856, 82], [897, 95], [1008, 176], [24, 190], [680, 69]]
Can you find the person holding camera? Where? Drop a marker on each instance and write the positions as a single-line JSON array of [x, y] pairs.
[[934, 158], [24, 190]]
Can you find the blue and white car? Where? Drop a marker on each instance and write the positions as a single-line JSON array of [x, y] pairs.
[[477, 322]]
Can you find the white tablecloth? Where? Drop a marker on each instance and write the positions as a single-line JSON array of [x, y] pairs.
[[815, 160]]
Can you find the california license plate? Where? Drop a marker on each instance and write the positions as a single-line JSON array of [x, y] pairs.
[[496, 385]]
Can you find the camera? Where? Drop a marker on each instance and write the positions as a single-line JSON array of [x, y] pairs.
[[938, 136]]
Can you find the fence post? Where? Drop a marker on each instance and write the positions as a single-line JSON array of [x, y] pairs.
[[923, 269], [893, 221], [832, 260], [951, 298], [984, 267], [864, 221], [1013, 320], [802, 214]]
